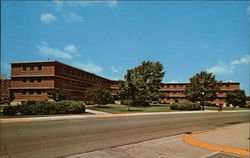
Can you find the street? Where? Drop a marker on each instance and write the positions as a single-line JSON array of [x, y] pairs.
[[68, 137]]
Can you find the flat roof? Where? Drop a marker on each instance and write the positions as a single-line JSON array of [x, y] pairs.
[[55, 61]]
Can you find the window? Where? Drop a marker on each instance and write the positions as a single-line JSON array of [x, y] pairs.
[[23, 92], [39, 92], [32, 68], [228, 85], [24, 68], [24, 80], [31, 92], [39, 80], [40, 68], [180, 86], [31, 80]]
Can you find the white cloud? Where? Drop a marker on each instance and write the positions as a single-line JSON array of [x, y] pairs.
[[47, 18], [224, 69], [110, 3], [221, 69], [72, 17], [114, 69], [59, 3], [90, 67], [244, 60], [70, 48], [44, 49], [173, 81]]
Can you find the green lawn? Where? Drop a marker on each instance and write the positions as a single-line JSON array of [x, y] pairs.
[[224, 108], [115, 109]]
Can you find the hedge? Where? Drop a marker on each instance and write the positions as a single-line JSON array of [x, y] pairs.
[[185, 106], [45, 108]]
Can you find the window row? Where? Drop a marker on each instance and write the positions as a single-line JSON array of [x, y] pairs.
[[31, 92], [174, 92], [32, 67], [31, 80], [77, 73], [76, 83], [174, 86]]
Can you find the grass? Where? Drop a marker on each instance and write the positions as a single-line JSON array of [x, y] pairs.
[[27, 116], [224, 108], [116, 109]]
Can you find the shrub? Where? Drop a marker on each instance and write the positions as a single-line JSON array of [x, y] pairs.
[[10, 110], [45, 107], [185, 106]]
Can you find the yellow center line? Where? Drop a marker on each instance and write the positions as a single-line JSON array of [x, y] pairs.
[[205, 145], [15, 121]]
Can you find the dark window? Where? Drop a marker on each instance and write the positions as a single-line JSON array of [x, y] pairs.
[[31, 80], [39, 80], [32, 68], [39, 92], [24, 80], [31, 92], [24, 68], [228, 85], [40, 67], [23, 92]]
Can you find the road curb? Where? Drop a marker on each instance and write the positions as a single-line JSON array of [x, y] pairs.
[[188, 138]]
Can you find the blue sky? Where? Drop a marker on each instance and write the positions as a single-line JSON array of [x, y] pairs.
[[107, 38]]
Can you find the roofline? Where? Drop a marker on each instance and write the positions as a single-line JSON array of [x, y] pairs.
[[28, 62], [55, 61]]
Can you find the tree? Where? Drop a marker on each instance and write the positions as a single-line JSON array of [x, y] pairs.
[[99, 95], [236, 97], [142, 83], [202, 87], [58, 94]]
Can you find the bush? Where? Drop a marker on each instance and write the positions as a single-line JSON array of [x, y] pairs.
[[185, 106], [45, 107]]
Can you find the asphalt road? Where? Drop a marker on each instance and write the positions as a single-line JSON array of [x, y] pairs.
[[67, 137]]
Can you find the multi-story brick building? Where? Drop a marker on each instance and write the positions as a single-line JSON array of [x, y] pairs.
[[175, 92], [4, 88], [32, 80]]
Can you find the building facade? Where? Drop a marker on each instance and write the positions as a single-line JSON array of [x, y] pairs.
[[32, 80], [4, 89], [175, 92]]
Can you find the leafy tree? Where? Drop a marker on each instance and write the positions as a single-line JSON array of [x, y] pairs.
[[202, 87], [58, 94], [142, 83], [236, 97], [99, 95]]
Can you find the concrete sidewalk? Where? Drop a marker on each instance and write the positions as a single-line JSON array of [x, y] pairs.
[[96, 112], [234, 136]]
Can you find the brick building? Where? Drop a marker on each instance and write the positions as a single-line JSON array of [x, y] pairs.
[[4, 88], [32, 80], [175, 92]]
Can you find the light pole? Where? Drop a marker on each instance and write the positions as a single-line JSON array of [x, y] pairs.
[[203, 93]]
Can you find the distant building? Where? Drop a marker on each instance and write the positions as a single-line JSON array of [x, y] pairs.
[[4, 88], [32, 80], [175, 92]]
